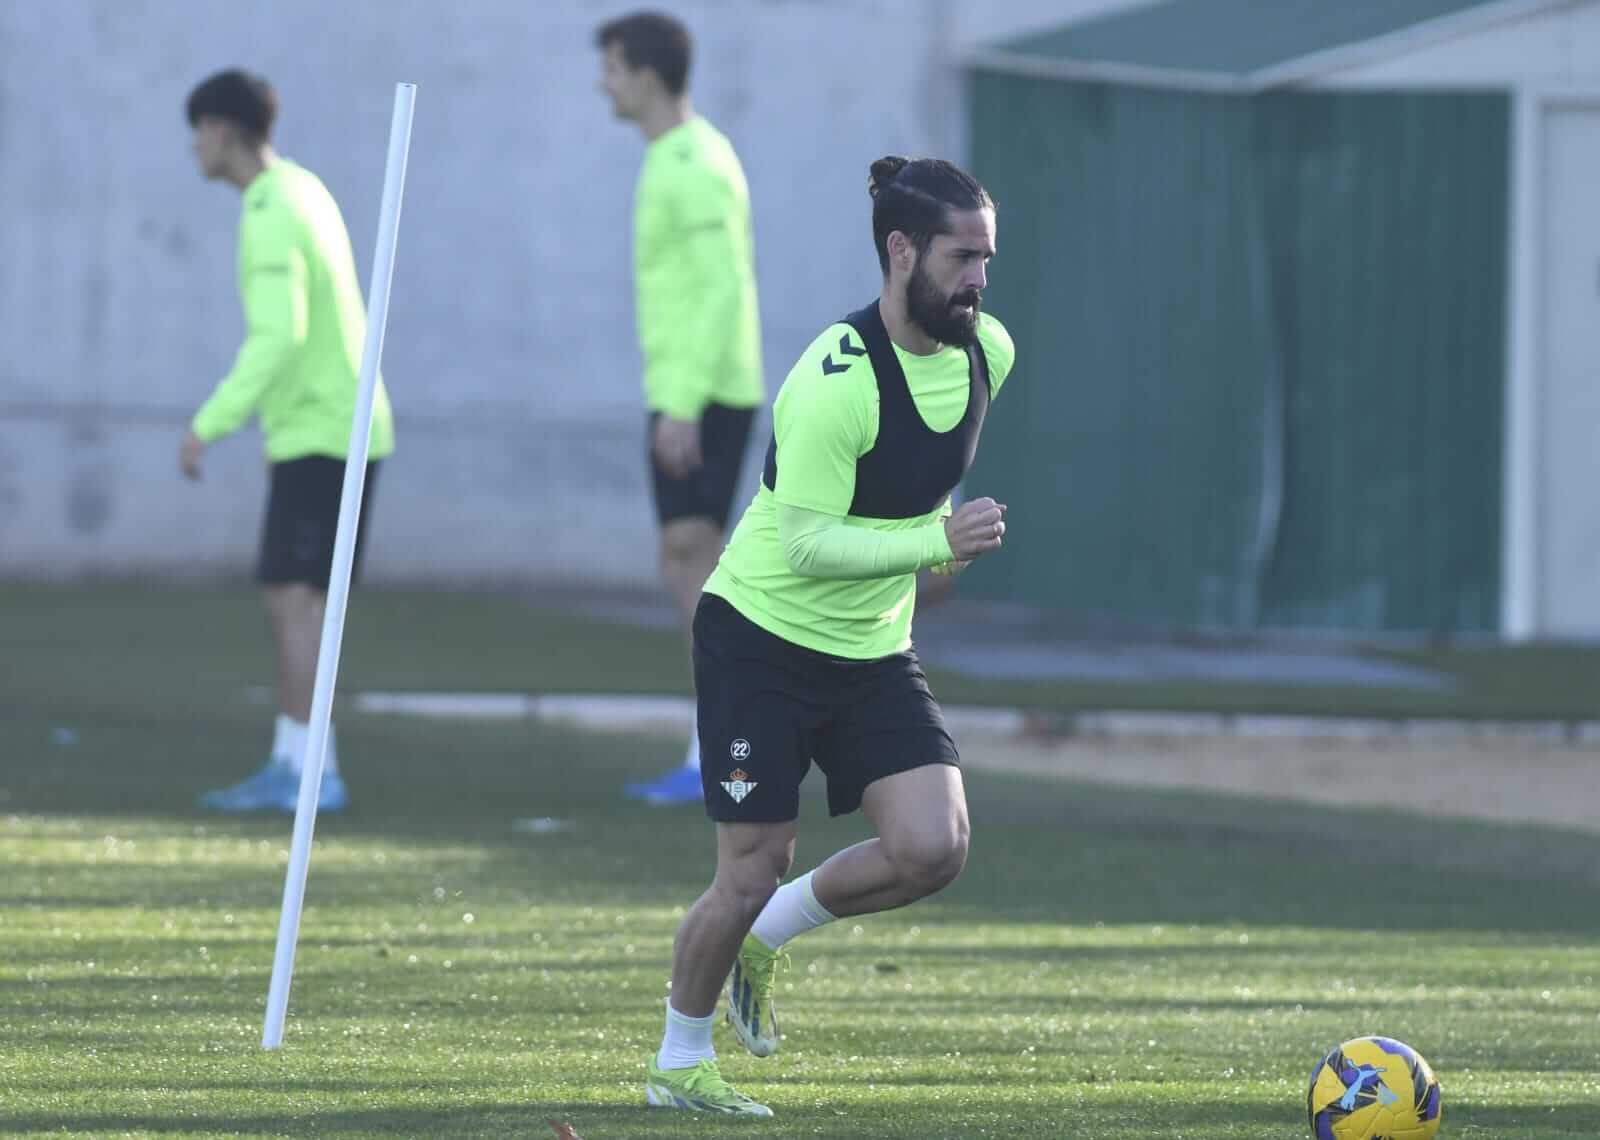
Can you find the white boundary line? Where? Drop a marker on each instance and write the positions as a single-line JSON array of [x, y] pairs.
[[610, 712]]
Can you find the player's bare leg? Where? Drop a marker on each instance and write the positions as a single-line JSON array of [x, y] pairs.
[[296, 611], [752, 859], [689, 551], [923, 834], [690, 548], [921, 819]]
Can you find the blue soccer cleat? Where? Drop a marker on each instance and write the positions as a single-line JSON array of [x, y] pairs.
[[331, 797], [679, 786], [275, 787], [264, 790]]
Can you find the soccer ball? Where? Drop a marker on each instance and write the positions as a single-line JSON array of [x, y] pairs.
[[1373, 1088]]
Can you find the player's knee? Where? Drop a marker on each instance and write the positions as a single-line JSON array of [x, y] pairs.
[[688, 541], [292, 600], [945, 863], [749, 881], [930, 860], [747, 894]]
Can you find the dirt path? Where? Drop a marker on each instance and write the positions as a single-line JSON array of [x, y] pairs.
[[1504, 781]]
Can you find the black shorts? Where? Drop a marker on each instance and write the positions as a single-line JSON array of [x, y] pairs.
[[302, 521], [768, 708], [707, 493]]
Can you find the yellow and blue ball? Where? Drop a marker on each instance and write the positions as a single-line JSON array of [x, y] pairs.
[[1373, 1088]]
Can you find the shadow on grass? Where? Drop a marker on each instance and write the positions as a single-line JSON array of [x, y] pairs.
[[496, 1120], [1044, 851], [959, 1116]]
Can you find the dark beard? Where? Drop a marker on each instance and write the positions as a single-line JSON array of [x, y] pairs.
[[931, 311]]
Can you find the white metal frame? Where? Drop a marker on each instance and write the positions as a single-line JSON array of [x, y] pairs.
[[1522, 525], [1319, 65], [1329, 63]]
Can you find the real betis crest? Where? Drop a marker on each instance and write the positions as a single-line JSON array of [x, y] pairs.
[[738, 785]]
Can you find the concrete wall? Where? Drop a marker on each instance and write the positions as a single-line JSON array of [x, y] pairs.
[[511, 355]]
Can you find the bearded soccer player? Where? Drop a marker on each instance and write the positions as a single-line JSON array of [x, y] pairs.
[[699, 331], [297, 371], [802, 640]]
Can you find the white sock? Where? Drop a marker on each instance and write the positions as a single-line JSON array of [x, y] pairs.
[[692, 757], [686, 1041], [288, 741], [793, 909], [289, 745]]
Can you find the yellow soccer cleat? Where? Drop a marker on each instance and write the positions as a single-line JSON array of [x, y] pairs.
[[750, 986], [698, 1089]]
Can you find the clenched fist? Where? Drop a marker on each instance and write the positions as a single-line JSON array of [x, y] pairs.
[[976, 528]]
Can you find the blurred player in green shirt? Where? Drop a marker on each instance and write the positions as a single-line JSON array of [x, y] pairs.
[[297, 373], [699, 328]]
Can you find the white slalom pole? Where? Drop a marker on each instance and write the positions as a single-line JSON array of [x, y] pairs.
[[355, 477]]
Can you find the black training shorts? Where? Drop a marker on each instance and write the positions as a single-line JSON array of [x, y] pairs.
[[768, 708], [707, 491], [302, 521]]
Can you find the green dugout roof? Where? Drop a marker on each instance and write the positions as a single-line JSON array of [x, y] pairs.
[[1246, 45]]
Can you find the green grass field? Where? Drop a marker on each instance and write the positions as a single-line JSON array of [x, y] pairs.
[[1113, 964]]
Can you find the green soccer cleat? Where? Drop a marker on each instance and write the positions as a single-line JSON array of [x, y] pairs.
[[750, 986], [699, 1089]]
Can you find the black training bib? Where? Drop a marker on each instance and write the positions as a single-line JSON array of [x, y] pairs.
[[911, 469]]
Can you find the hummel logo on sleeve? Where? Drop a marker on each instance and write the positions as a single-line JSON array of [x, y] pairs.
[[829, 368]]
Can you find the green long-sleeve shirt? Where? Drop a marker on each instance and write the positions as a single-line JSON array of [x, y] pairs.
[[818, 545], [694, 270], [799, 565], [299, 365]]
